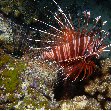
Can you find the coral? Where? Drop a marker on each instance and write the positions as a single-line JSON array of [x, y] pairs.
[[108, 105], [37, 86], [100, 97], [40, 76], [5, 27], [93, 104], [109, 90], [77, 103], [33, 100], [106, 64], [80, 103]]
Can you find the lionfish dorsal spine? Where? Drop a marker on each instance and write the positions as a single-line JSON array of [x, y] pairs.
[[73, 47]]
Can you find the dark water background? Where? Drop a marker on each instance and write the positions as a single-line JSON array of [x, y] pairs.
[[42, 8]]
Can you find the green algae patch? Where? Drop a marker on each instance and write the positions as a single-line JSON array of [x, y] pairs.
[[34, 100], [10, 82], [4, 59], [10, 70], [11, 75]]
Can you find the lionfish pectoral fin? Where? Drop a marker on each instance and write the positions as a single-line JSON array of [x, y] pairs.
[[91, 70], [88, 70], [85, 72], [83, 68], [76, 70], [68, 72], [79, 72]]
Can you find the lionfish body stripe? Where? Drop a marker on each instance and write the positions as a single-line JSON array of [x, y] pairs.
[[74, 49]]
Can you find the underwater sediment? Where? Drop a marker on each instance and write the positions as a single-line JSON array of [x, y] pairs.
[[36, 88]]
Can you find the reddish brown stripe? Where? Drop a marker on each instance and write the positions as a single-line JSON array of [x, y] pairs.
[[62, 53], [72, 51], [55, 55]]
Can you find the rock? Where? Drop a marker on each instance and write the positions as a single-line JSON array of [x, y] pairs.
[[77, 103]]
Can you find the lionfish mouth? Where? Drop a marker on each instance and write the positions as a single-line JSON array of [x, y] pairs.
[[72, 48]]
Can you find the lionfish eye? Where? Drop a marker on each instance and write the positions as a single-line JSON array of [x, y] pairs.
[[48, 49]]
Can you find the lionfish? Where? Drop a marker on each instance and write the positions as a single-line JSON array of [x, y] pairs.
[[73, 48]]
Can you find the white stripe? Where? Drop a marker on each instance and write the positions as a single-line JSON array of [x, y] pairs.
[[75, 46], [59, 53], [87, 42], [65, 51], [77, 40], [58, 20], [45, 32], [48, 47], [95, 45], [84, 42], [57, 48], [88, 39], [79, 45], [49, 25], [60, 10], [106, 50], [37, 40]]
